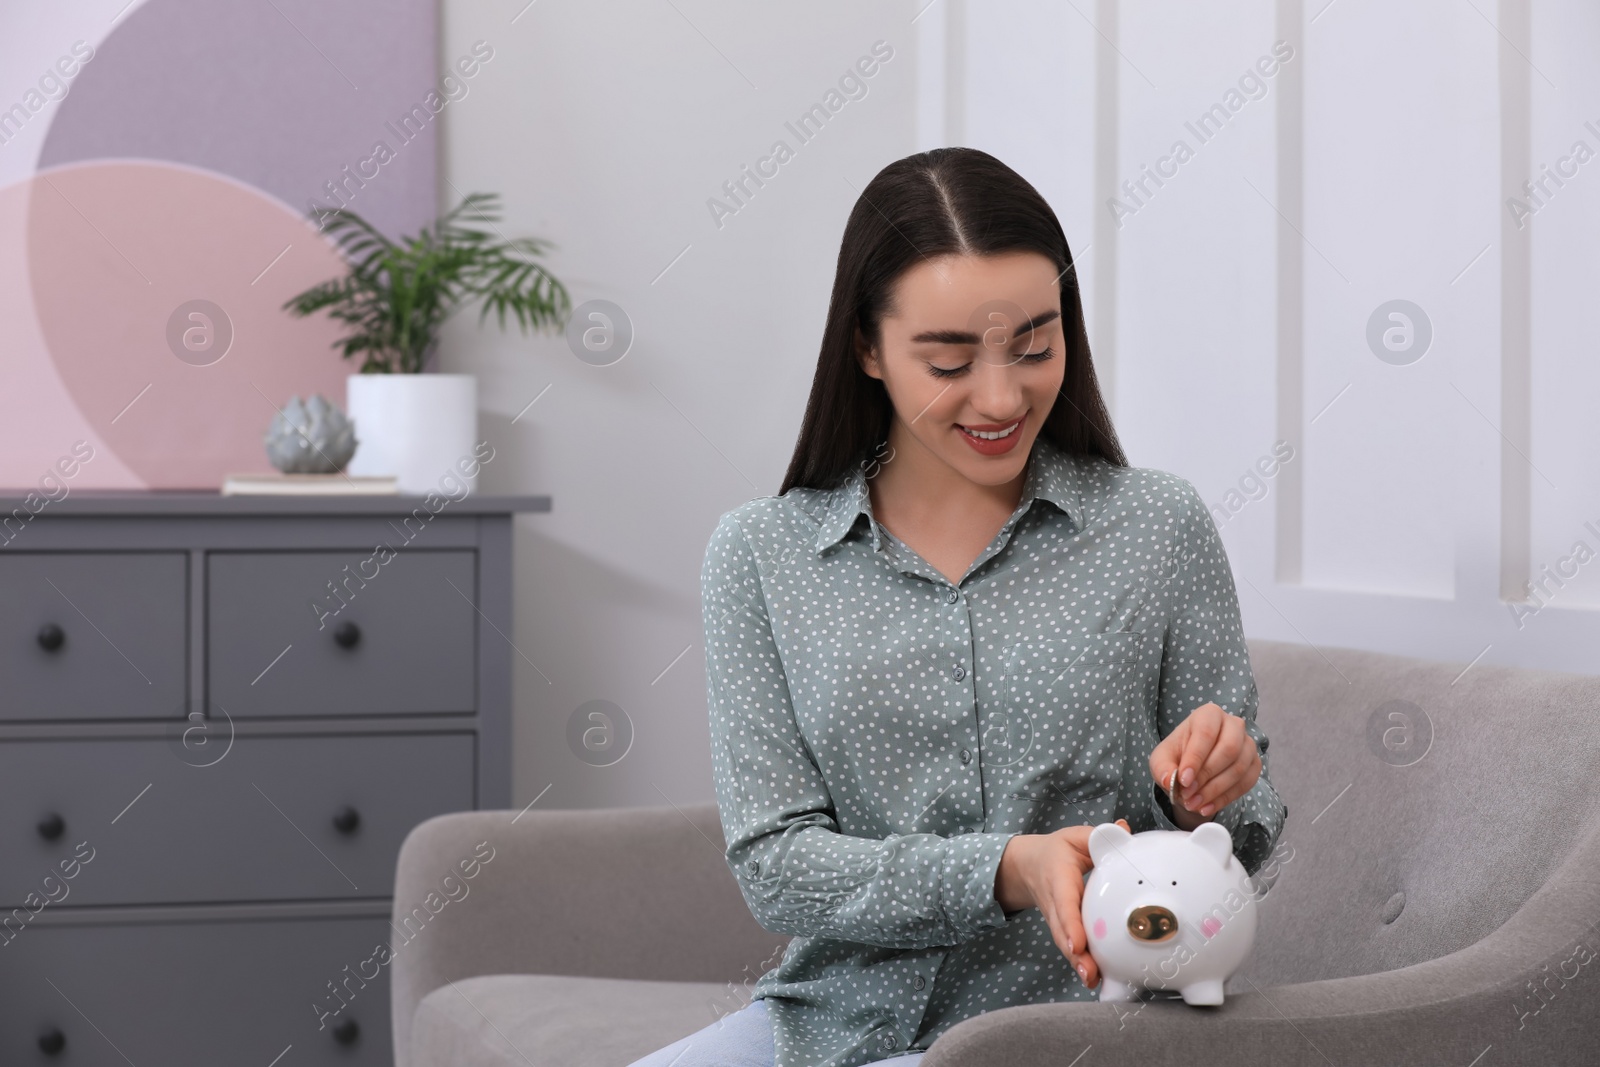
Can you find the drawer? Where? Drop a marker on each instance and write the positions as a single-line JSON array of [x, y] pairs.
[[196, 994], [276, 818], [93, 635], [398, 636]]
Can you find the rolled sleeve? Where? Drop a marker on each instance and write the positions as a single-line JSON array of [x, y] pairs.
[[1206, 660], [798, 873]]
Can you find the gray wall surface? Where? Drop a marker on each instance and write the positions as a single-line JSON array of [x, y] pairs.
[[607, 127]]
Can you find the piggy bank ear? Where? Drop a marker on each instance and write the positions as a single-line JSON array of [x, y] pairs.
[[1105, 840], [1214, 839]]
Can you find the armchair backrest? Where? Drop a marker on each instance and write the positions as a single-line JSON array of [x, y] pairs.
[[1427, 802], [639, 893]]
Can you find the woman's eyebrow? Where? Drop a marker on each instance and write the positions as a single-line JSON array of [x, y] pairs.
[[967, 337]]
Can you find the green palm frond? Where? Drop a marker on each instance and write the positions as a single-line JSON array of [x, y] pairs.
[[396, 295]]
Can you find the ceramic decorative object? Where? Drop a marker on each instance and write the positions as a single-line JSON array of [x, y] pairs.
[[1167, 909], [313, 437]]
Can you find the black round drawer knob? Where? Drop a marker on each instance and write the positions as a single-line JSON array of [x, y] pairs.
[[346, 819], [345, 1031], [52, 1041], [346, 635], [52, 826], [51, 637]]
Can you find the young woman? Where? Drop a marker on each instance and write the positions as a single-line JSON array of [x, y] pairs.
[[965, 633]]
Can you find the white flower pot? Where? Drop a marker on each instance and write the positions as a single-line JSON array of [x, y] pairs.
[[416, 427]]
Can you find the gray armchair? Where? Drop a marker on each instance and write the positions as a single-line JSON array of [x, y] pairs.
[[1437, 895]]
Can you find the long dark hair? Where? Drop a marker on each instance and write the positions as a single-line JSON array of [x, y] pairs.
[[948, 200]]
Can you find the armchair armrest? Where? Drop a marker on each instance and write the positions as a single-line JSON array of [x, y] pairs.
[[641, 893], [1531, 989]]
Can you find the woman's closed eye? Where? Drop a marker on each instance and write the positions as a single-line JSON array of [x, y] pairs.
[[1029, 357]]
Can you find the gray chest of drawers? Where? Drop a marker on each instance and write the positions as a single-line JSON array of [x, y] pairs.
[[219, 718]]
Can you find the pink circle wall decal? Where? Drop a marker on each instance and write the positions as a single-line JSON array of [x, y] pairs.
[[116, 249]]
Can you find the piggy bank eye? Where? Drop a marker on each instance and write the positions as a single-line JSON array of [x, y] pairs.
[[1174, 881], [1141, 881]]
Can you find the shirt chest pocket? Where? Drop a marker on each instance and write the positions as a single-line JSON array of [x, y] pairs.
[[1063, 717]]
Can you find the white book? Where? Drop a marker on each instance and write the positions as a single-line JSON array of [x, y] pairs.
[[309, 484]]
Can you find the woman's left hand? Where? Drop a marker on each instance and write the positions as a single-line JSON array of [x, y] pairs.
[[1217, 763]]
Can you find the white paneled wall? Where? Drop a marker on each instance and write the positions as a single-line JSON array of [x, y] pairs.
[[1562, 221], [1399, 178], [1259, 285]]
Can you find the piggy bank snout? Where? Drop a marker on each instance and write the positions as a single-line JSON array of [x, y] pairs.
[[1152, 924]]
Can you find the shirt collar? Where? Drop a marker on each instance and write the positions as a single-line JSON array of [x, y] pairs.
[[1052, 475]]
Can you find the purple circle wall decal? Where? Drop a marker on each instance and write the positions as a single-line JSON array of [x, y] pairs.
[[288, 97]]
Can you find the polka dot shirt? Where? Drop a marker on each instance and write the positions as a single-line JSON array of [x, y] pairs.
[[878, 733]]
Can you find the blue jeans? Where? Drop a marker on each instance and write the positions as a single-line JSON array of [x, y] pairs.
[[739, 1039]]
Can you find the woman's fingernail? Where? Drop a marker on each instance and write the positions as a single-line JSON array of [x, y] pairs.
[[1187, 777], [1206, 810], [1083, 972]]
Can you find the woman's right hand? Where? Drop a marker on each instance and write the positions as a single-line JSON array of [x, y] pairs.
[[1046, 871]]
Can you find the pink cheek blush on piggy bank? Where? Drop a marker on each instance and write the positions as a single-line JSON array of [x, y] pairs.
[[1167, 909]]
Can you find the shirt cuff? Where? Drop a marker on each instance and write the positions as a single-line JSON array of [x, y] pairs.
[[1253, 826], [1231, 815], [966, 891]]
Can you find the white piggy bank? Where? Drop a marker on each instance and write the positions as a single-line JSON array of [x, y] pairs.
[[1167, 909]]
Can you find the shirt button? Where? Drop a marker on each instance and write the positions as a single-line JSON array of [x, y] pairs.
[[960, 672], [753, 866], [889, 1041], [952, 596], [918, 982], [966, 757]]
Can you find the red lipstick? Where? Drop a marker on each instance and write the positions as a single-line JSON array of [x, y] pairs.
[[992, 446]]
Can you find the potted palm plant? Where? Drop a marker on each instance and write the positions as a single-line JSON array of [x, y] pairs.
[[411, 422]]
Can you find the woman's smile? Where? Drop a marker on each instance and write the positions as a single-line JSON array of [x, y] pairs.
[[992, 438]]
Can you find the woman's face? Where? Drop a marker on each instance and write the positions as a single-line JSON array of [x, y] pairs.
[[974, 349]]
